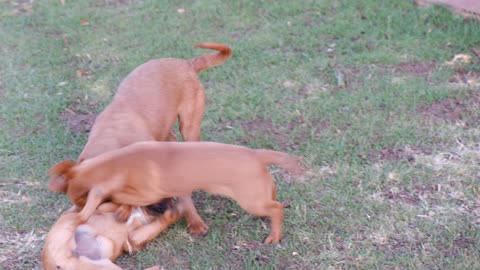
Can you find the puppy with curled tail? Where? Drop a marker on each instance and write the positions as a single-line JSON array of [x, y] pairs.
[[146, 106]]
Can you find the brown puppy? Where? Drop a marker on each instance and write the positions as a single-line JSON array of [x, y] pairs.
[[97, 243], [147, 104], [145, 172]]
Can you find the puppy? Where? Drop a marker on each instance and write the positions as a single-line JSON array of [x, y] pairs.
[[147, 104], [97, 243], [145, 172]]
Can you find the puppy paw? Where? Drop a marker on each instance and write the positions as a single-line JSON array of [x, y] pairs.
[[197, 228], [123, 213], [272, 239]]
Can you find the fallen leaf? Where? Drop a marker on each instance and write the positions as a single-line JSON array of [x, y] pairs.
[[81, 73], [460, 59], [288, 84]]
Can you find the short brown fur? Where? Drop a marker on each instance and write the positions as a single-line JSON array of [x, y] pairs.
[[147, 104], [145, 172], [103, 238]]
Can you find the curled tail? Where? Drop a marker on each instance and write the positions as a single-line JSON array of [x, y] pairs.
[[202, 62], [291, 164]]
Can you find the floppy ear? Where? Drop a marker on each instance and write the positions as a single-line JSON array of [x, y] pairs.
[[58, 181]]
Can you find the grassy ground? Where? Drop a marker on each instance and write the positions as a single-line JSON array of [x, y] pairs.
[[359, 88]]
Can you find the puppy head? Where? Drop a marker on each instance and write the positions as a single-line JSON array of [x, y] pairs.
[[59, 176]]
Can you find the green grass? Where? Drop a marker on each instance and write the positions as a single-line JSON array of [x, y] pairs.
[[358, 208]]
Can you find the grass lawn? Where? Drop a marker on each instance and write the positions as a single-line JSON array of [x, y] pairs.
[[361, 89]]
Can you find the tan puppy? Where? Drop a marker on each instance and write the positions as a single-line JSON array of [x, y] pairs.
[[147, 104], [97, 243], [145, 172]]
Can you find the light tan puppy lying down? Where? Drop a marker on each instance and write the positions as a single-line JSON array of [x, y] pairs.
[[97, 243], [146, 172]]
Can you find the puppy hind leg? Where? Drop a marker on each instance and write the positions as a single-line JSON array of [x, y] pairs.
[[190, 117], [271, 209], [195, 224], [276, 215]]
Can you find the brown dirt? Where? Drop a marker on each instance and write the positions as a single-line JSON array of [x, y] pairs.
[[402, 196], [451, 109], [281, 135], [112, 3], [466, 8], [79, 120], [265, 128], [414, 68], [355, 76], [411, 196], [406, 152], [460, 245]]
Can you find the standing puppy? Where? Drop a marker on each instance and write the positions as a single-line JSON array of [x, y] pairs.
[[146, 106], [145, 172]]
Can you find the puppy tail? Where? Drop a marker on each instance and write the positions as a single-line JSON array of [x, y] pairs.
[[291, 164], [213, 59]]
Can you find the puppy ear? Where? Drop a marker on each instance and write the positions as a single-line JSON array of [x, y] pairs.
[[58, 181]]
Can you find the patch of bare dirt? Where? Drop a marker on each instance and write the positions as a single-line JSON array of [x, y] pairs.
[[460, 245], [350, 78], [409, 196], [392, 245], [406, 152], [451, 109], [265, 128], [463, 242], [466, 8], [414, 67], [79, 120], [282, 135], [403, 196], [112, 3]]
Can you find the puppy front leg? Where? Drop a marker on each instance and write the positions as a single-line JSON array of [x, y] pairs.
[[94, 199]]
